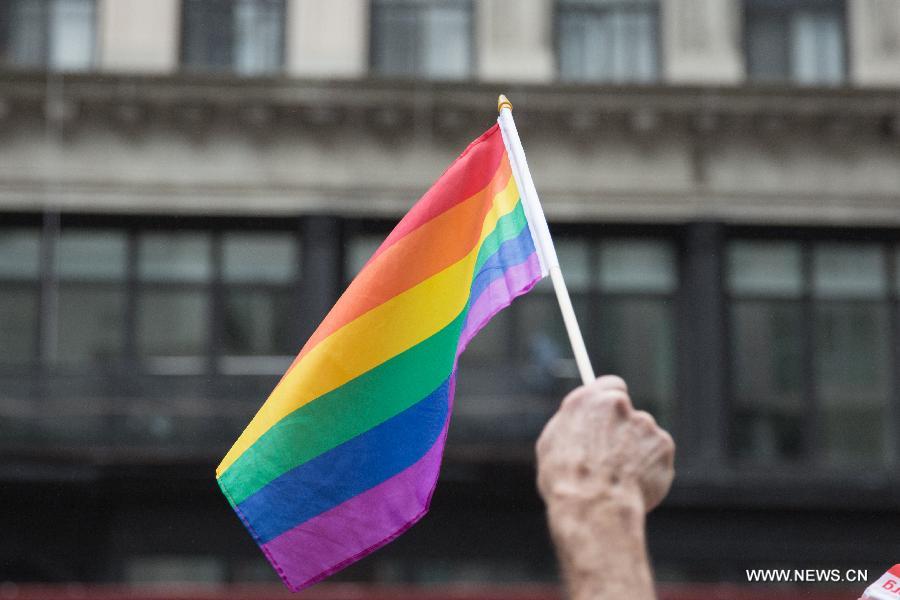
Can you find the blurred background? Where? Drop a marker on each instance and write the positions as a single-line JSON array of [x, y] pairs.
[[187, 186]]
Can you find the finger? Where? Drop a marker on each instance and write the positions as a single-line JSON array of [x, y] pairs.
[[644, 421], [620, 402], [611, 382]]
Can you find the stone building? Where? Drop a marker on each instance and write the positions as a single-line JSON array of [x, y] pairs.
[[187, 186]]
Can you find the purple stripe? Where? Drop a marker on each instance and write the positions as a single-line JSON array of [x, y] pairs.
[[334, 539], [515, 281]]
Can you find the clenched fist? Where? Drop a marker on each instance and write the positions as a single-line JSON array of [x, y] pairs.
[[598, 447], [601, 467]]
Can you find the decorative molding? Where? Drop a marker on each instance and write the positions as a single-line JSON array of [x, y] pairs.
[[561, 205], [196, 103]]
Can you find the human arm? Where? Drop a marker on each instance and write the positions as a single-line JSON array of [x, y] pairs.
[[601, 467]]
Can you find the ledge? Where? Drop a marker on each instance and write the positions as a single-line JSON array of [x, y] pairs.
[[128, 98]]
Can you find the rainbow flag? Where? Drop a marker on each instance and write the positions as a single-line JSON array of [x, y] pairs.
[[344, 455]]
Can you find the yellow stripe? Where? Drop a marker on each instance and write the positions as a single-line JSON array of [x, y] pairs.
[[374, 337]]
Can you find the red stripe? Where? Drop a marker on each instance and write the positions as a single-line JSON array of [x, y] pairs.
[[469, 174], [895, 571]]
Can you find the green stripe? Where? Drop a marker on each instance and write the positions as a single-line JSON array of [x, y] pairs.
[[345, 412], [508, 227], [363, 402]]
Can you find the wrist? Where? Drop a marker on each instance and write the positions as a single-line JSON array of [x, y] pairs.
[[615, 515], [601, 545]]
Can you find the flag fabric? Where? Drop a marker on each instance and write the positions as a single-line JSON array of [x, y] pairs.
[[344, 455]]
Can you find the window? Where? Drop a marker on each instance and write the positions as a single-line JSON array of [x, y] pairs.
[[796, 40], [57, 34], [91, 267], [765, 280], [241, 36], [173, 310], [415, 38], [608, 40], [260, 308], [810, 334], [623, 292], [19, 293]]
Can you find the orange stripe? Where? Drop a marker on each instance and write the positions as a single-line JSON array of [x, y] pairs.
[[421, 253], [470, 173]]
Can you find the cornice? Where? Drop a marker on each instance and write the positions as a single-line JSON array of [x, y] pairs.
[[257, 104]]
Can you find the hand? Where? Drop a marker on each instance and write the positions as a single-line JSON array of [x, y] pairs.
[[597, 448], [601, 467]]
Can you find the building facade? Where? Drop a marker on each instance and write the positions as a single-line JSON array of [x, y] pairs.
[[187, 186]]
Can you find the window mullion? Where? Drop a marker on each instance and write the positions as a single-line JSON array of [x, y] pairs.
[[215, 290], [812, 434], [893, 302]]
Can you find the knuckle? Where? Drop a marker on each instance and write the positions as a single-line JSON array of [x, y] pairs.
[[644, 420], [612, 382], [667, 442], [574, 399], [616, 399]]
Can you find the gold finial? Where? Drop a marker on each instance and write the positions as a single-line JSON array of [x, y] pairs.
[[503, 102]]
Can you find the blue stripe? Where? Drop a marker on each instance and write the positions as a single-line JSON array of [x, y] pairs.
[[349, 469], [510, 253]]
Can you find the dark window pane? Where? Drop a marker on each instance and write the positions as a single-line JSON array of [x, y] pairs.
[[422, 39], [240, 35], [575, 265], [18, 321], [91, 254], [58, 34], [765, 435], [767, 47], [637, 343], [849, 270], [258, 322], [852, 352], [492, 342], [172, 323], [259, 257], [27, 33], [208, 34], [853, 379], [19, 253], [395, 39], [767, 354], [542, 340], [897, 271], [767, 380], [174, 257], [91, 320], [358, 252], [637, 266], [765, 268], [797, 41]]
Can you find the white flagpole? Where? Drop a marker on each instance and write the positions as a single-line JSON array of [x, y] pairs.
[[540, 232]]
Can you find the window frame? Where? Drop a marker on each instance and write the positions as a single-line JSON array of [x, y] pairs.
[[472, 67], [230, 70], [132, 285], [812, 461], [33, 286], [782, 8], [44, 63], [628, 5]]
